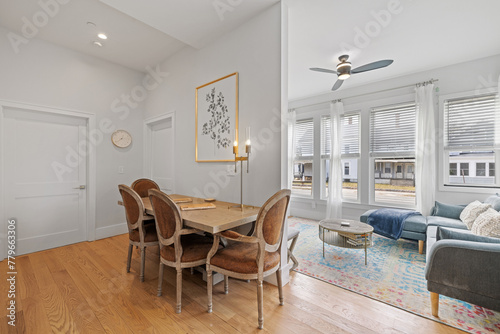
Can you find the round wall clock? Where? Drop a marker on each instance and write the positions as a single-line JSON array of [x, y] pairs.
[[121, 138]]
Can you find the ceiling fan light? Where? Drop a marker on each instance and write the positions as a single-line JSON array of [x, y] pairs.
[[344, 76], [344, 70]]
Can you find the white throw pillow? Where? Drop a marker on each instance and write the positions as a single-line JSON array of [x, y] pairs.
[[487, 224], [472, 211]]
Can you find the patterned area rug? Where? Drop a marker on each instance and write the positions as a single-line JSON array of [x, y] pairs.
[[394, 275]]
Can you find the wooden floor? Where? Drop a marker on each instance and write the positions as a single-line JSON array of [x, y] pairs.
[[84, 288]]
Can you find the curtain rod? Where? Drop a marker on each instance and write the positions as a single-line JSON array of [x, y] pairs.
[[376, 92]]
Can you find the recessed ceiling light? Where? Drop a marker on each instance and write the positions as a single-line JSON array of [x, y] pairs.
[[102, 36], [98, 44]]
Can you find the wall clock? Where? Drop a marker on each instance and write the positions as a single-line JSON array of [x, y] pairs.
[[121, 138]]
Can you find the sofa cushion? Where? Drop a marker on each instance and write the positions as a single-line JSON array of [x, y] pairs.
[[447, 222], [494, 201], [465, 235], [487, 224], [472, 211], [415, 223], [447, 210]]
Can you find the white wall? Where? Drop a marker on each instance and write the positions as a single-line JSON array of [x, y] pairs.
[[252, 50], [477, 76], [49, 75]]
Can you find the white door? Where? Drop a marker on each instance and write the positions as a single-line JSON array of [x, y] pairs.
[[45, 178], [161, 153]]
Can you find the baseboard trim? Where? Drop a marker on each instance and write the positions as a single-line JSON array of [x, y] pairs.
[[110, 231]]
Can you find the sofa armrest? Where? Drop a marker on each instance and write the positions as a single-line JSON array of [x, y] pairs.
[[466, 265], [466, 235]]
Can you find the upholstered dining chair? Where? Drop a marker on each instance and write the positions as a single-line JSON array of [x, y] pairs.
[[140, 233], [252, 257], [141, 186], [179, 247]]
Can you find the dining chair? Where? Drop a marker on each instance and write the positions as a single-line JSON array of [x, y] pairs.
[[252, 257], [140, 233], [141, 186], [179, 247]]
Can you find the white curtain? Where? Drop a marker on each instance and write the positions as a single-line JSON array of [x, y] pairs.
[[292, 117], [425, 150], [334, 203]]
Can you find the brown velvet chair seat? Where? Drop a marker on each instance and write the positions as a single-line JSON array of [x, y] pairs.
[[174, 240], [150, 234], [195, 248], [241, 258], [141, 227], [252, 257]]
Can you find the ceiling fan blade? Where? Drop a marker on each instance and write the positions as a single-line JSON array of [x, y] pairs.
[[323, 70], [337, 84], [372, 66]]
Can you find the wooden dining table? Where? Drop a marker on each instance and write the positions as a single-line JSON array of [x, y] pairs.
[[221, 218]]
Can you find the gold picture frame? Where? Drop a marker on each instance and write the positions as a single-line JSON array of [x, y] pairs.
[[216, 119]]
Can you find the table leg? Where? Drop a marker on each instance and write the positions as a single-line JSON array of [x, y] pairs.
[[323, 243], [366, 253]]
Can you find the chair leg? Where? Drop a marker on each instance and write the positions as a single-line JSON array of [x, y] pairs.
[[160, 279], [143, 263], [280, 287], [435, 304], [209, 289], [179, 290], [226, 284], [260, 303], [420, 247], [129, 258]]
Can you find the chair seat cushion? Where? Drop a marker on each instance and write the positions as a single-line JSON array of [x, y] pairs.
[[195, 247], [150, 236], [241, 258]]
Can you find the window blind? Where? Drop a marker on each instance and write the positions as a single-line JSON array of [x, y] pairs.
[[350, 134], [392, 129], [470, 122], [304, 138]]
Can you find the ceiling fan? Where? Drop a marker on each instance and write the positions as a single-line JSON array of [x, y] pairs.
[[344, 69]]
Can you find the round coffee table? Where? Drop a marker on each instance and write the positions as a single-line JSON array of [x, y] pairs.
[[336, 232]]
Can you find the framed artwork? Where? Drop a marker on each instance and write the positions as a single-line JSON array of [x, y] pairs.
[[217, 119]]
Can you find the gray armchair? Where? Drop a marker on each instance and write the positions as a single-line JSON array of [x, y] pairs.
[[464, 266]]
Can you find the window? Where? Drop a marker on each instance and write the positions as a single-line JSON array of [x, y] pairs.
[[349, 153], [480, 169], [464, 169], [453, 168], [392, 145], [303, 160], [470, 127]]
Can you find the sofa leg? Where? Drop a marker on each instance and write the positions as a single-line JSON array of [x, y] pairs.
[[435, 304], [420, 247]]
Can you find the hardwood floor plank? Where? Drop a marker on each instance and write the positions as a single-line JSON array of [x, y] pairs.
[[85, 288]]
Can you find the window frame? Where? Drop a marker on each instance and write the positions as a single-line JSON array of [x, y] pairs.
[[443, 155]]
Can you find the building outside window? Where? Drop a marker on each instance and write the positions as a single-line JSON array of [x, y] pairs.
[[303, 159], [471, 126], [392, 146], [350, 154]]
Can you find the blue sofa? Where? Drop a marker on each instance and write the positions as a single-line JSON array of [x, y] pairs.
[[463, 266]]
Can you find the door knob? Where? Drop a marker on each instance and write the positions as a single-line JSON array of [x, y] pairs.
[[80, 187]]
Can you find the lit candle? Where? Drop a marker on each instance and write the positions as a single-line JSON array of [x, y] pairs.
[[235, 146], [248, 145]]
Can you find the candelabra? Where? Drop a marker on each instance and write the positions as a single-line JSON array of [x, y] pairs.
[[248, 150]]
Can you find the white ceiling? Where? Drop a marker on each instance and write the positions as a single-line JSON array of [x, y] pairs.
[[141, 33], [421, 35]]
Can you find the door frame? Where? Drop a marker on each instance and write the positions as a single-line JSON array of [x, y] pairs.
[[148, 123], [91, 166]]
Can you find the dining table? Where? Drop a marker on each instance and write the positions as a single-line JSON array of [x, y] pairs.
[[222, 217]]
